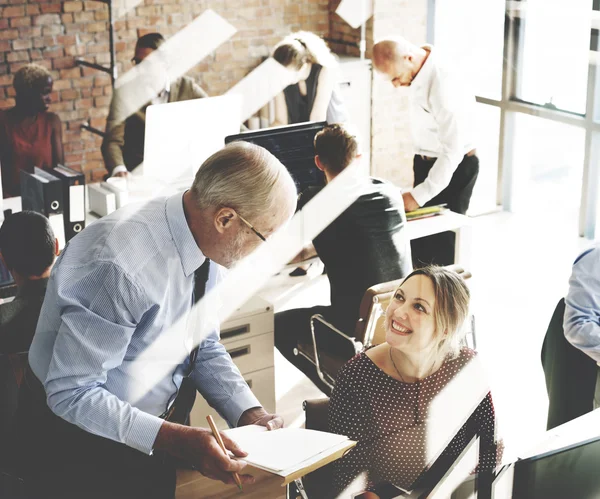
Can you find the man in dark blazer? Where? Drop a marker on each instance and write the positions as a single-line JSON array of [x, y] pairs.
[[28, 248], [123, 144]]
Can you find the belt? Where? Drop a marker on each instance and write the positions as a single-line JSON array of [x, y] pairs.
[[472, 152]]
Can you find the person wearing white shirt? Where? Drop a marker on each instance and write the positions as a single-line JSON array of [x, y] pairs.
[[441, 112]]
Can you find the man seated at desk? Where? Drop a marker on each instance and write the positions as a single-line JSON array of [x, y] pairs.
[[123, 144], [364, 246], [27, 249], [92, 424]]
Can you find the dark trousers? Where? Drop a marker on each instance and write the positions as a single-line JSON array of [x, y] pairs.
[[293, 327], [438, 249], [58, 460]]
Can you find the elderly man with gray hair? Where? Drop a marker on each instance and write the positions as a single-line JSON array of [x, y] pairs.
[[442, 113], [93, 425]]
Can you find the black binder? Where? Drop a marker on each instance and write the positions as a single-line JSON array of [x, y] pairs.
[[42, 192], [73, 189]]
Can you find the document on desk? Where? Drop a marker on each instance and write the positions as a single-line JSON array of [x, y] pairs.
[[288, 450]]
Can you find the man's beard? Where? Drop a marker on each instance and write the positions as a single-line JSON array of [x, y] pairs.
[[234, 251]]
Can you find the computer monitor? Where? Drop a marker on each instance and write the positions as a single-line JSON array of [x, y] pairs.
[[179, 136], [293, 145], [568, 472], [8, 288]]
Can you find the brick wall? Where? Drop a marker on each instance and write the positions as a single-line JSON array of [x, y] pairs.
[[391, 146], [53, 33], [342, 31]]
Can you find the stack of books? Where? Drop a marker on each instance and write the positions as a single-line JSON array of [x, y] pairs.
[[426, 212]]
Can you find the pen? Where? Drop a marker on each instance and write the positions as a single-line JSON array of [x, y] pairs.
[[217, 436]]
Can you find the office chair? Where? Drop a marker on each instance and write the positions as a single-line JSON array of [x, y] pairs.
[[570, 374], [369, 330]]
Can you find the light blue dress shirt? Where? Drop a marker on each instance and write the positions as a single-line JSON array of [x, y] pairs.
[[117, 287], [582, 312]]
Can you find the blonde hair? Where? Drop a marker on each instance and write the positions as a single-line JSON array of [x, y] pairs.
[[301, 47], [451, 309], [242, 176], [30, 77]]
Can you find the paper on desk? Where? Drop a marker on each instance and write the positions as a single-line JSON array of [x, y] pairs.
[[286, 449]]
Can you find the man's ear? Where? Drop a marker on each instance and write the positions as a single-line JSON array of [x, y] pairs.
[[224, 219], [56, 250], [319, 163]]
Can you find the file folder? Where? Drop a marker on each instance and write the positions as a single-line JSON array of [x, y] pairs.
[[42, 192], [73, 187]]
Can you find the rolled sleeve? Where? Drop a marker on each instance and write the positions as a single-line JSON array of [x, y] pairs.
[[220, 382], [96, 326], [582, 304]]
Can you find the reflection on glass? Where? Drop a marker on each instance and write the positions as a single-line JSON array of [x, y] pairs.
[[554, 53], [470, 33], [548, 166], [487, 140]]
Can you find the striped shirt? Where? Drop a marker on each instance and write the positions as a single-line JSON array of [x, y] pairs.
[[118, 287]]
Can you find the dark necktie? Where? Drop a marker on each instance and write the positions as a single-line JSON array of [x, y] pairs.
[[181, 407]]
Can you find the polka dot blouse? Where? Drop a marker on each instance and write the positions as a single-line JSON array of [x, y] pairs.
[[389, 419]]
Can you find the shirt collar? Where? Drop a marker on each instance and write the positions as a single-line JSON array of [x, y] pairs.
[[423, 77], [189, 252], [34, 287]]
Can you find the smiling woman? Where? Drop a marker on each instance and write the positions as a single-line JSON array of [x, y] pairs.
[[394, 398], [29, 134]]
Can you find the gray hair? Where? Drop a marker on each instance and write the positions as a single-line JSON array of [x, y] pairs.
[[244, 177]]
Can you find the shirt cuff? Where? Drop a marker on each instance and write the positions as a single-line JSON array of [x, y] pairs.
[[118, 169], [421, 194], [238, 404], [143, 432]]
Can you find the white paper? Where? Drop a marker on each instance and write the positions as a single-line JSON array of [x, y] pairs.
[[58, 226], [282, 449], [261, 86], [180, 136], [76, 203], [355, 12]]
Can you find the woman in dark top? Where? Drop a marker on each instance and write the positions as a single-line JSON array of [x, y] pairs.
[[29, 134], [410, 400], [316, 96]]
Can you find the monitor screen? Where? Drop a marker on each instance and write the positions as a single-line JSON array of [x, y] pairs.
[[568, 472], [293, 146], [8, 287]]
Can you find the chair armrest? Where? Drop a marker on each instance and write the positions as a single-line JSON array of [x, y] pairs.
[[356, 345]]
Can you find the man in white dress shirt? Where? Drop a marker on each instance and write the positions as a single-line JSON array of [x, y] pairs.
[[441, 111]]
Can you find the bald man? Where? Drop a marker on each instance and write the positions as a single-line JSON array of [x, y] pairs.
[[441, 109]]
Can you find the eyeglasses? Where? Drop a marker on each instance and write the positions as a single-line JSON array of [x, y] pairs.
[[251, 227]]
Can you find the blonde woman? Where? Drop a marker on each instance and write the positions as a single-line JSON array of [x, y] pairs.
[[392, 398], [315, 96]]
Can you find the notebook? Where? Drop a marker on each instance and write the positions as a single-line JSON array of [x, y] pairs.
[[289, 452]]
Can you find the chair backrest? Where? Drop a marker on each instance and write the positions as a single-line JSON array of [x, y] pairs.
[[570, 374], [370, 327]]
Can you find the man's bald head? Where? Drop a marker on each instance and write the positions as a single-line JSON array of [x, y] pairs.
[[399, 59]]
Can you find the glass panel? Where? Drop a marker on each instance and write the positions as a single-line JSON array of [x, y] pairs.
[[470, 33], [488, 128], [554, 42], [548, 167]]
